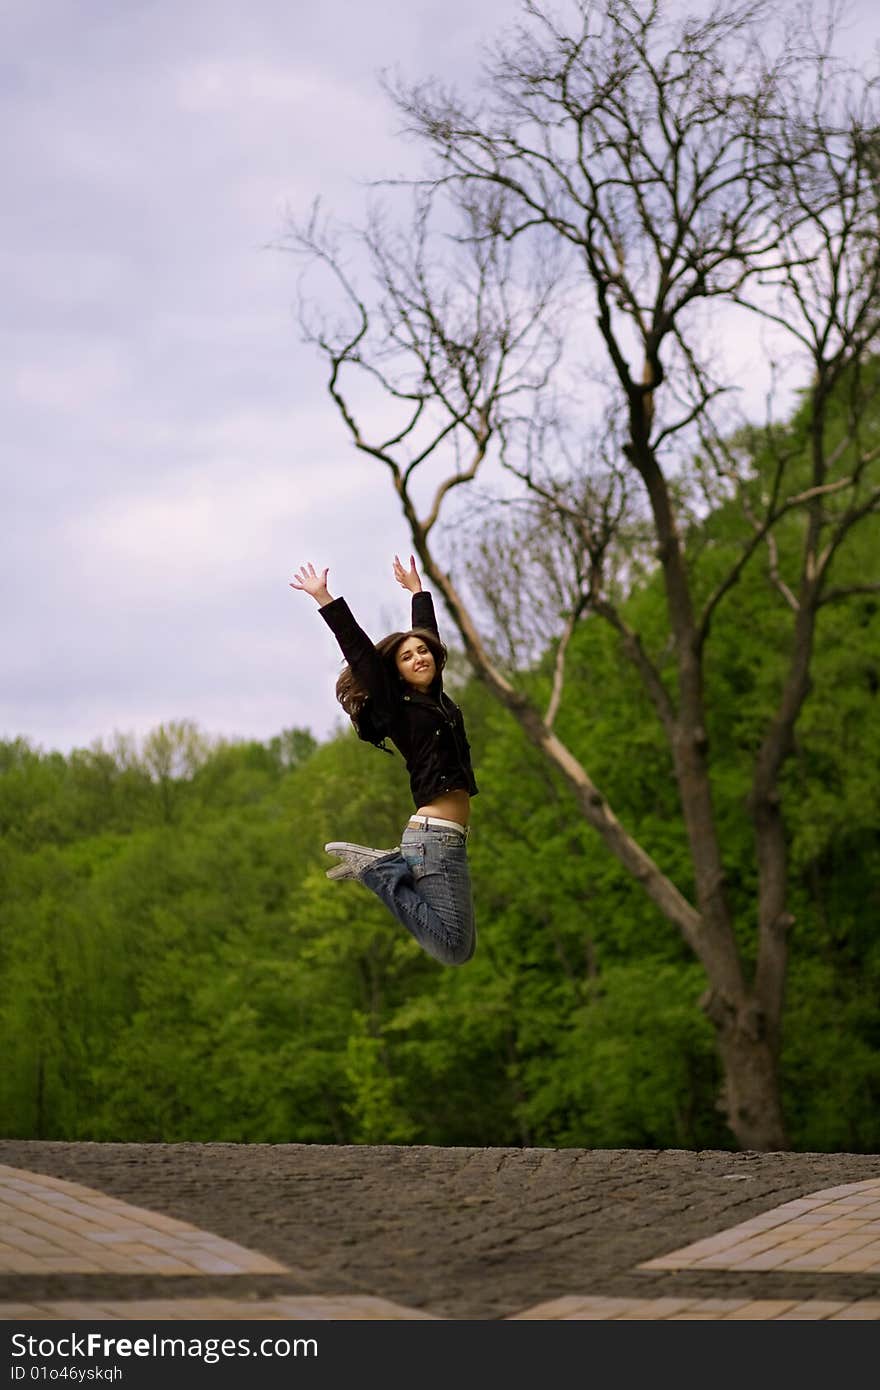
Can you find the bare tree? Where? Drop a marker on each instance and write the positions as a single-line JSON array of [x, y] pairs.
[[662, 172]]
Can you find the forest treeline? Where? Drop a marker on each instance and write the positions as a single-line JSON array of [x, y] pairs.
[[174, 964]]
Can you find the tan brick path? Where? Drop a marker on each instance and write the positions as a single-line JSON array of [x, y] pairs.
[[678, 1309], [346, 1308], [50, 1226], [832, 1232]]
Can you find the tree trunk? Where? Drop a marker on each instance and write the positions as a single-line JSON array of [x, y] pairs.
[[750, 1095]]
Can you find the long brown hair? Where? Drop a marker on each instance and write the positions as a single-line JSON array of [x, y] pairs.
[[349, 691]]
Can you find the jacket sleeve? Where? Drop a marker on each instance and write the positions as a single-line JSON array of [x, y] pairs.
[[423, 614], [358, 650]]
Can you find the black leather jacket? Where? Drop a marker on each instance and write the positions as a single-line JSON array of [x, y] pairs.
[[426, 727]]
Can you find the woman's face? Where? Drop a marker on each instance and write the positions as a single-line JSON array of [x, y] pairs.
[[416, 663]]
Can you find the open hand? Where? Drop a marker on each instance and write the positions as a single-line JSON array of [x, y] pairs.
[[409, 579], [314, 582]]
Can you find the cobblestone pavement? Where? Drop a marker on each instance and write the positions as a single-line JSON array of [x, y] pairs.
[[295, 1231]]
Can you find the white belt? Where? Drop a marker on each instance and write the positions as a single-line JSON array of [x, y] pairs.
[[422, 823]]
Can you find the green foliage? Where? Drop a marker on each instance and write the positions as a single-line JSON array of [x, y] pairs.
[[372, 1107], [832, 1060], [175, 965], [634, 1067]]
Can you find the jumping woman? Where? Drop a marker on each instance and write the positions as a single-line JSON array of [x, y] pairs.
[[394, 689]]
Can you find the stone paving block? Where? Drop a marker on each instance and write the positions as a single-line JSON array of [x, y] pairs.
[[849, 1264], [812, 1311], [20, 1312], [20, 1263], [865, 1309], [721, 1306], [762, 1309], [160, 1310], [693, 1317], [553, 1308], [77, 1310]]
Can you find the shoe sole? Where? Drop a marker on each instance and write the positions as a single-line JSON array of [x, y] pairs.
[[341, 871]]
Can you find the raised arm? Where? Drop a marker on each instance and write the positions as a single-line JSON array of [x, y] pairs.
[[422, 604], [357, 648]]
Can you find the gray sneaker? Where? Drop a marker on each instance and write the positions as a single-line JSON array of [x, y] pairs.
[[355, 858]]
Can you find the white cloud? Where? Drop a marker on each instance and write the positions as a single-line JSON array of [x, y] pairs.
[[242, 86], [81, 383], [206, 525]]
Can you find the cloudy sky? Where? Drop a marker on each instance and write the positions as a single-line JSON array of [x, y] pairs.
[[169, 454]]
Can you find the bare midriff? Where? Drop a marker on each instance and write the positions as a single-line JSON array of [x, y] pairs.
[[450, 806]]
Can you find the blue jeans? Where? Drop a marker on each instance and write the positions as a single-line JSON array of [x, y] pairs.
[[427, 886]]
